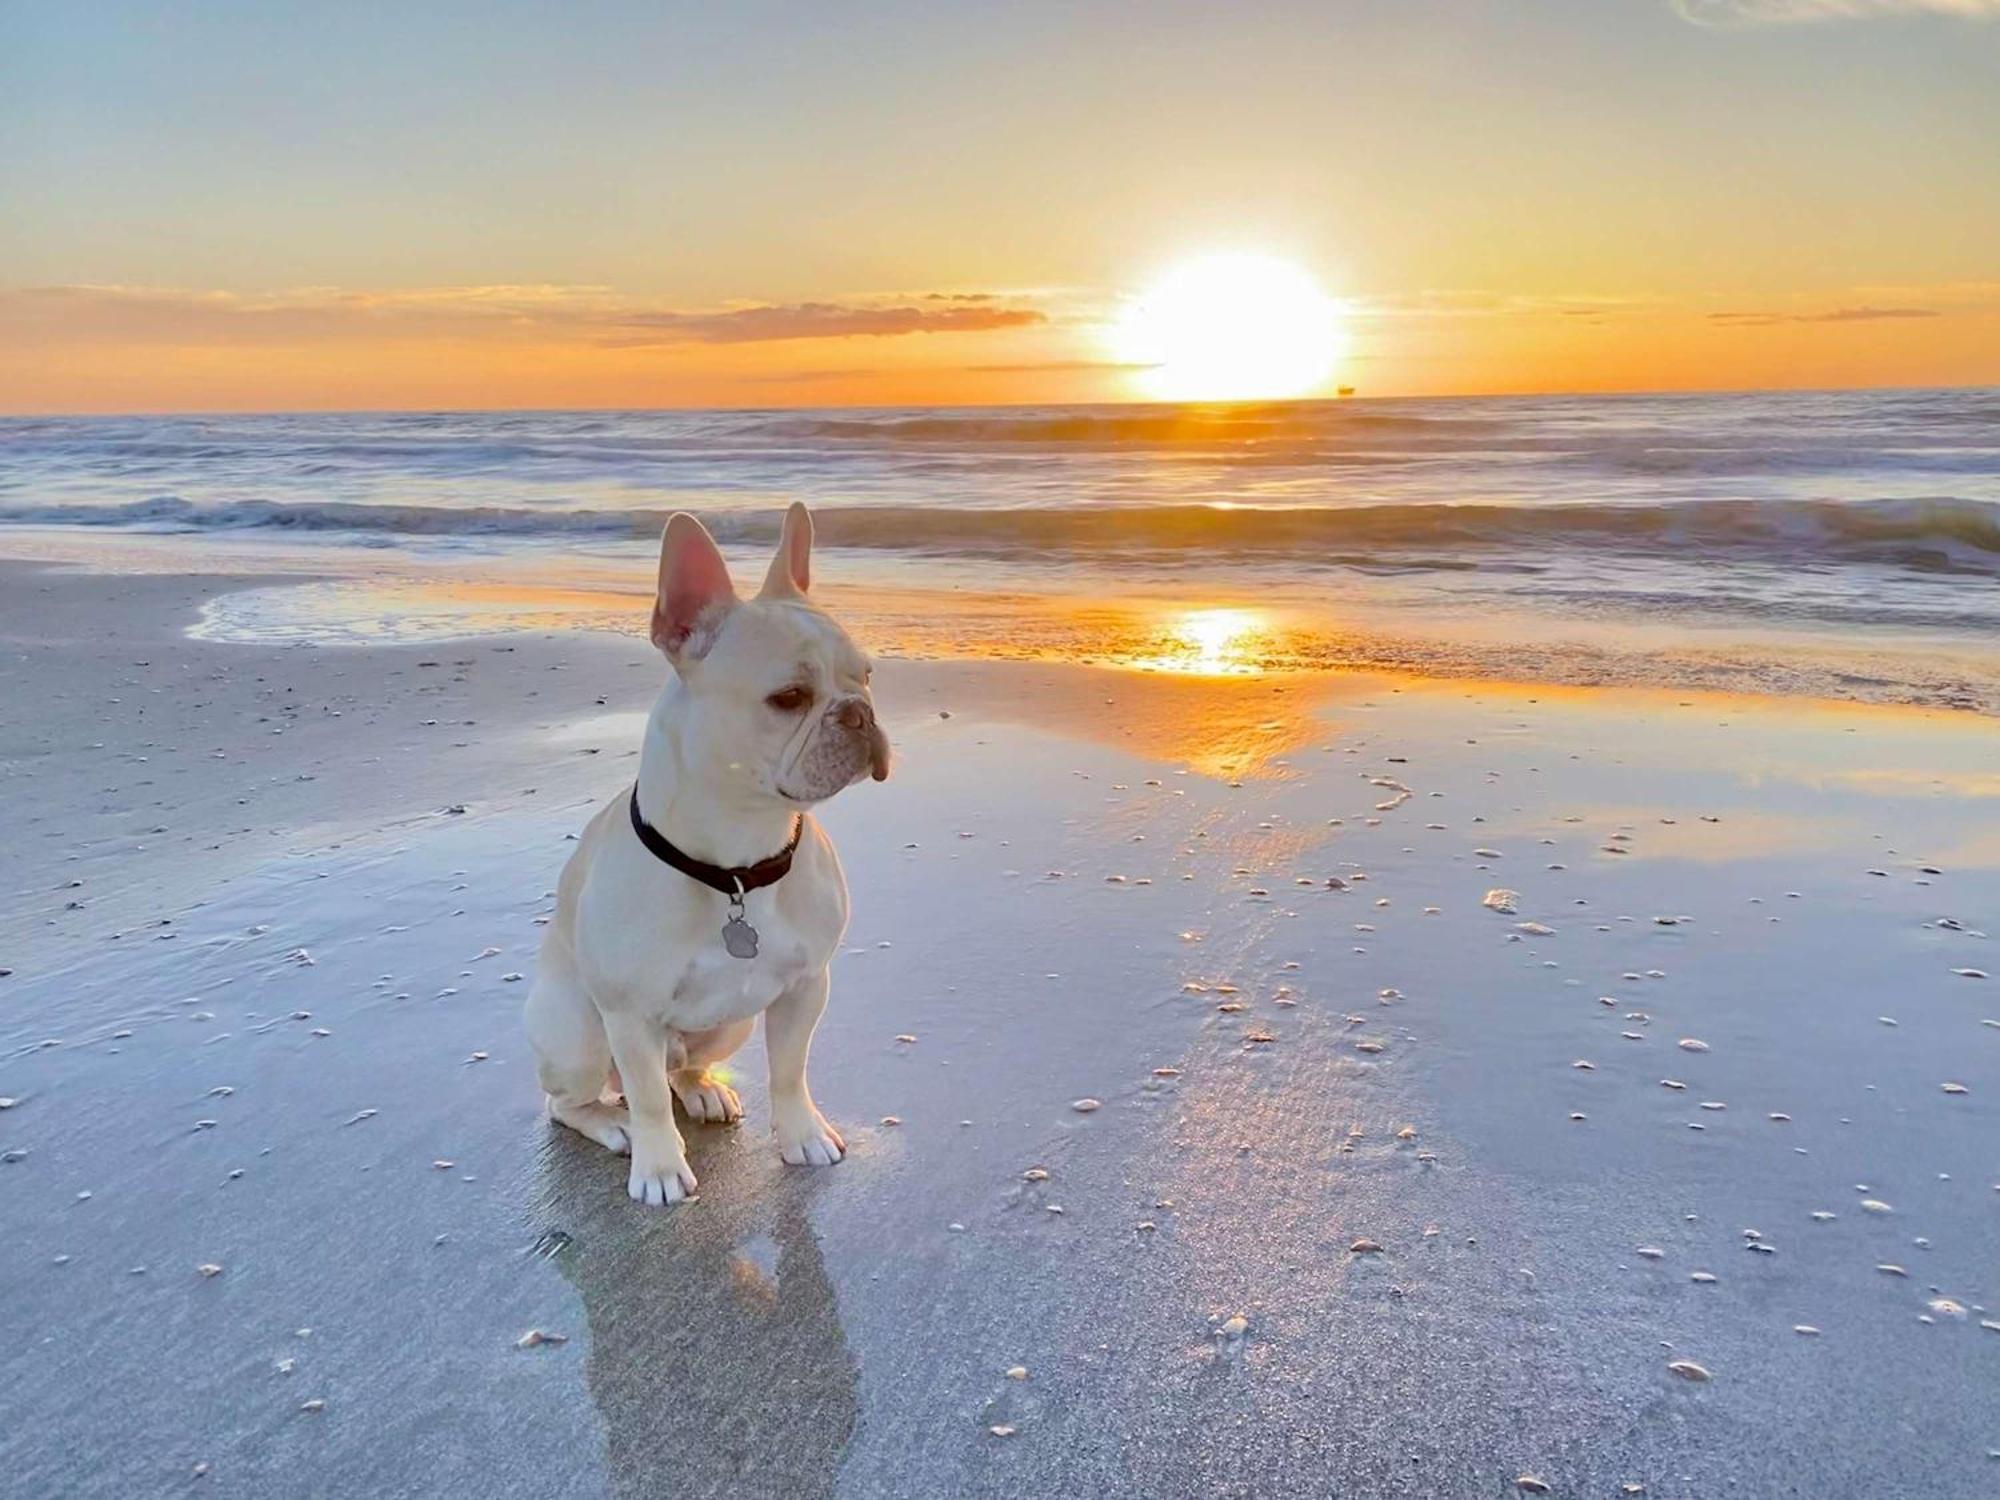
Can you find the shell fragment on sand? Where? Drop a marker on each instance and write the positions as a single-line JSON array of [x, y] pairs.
[[1501, 899]]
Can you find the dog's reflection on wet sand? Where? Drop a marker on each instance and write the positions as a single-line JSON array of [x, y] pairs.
[[716, 1358]]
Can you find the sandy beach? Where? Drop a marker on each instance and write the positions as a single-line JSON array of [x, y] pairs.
[[1678, 1173]]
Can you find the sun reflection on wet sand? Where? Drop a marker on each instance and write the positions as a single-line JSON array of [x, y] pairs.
[[1215, 642], [1229, 727]]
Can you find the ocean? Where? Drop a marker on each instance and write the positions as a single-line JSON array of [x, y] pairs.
[[1843, 543]]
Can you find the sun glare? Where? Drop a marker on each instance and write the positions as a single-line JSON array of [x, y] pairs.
[[1232, 328], [1206, 643]]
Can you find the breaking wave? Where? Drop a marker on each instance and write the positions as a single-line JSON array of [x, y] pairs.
[[1938, 534]]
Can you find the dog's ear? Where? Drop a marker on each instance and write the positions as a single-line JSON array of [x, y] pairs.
[[791, 569], [695, 592]]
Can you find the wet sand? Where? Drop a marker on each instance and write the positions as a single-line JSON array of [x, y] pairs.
[[265, 1034]]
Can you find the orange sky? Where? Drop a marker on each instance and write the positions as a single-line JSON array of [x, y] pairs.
[[291, 207], [112, 350]]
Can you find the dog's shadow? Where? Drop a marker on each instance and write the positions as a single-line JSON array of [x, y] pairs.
[[716, 1358]]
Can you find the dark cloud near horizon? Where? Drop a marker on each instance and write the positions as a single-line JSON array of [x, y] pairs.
[[174, 316], [1836, 315], [1054, 364], [816, 320]]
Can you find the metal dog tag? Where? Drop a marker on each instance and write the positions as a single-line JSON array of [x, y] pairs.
[[740, 938]]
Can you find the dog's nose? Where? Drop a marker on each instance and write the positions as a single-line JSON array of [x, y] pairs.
[[855, 714]]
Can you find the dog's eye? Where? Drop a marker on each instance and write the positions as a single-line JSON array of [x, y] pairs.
[[790, 700]]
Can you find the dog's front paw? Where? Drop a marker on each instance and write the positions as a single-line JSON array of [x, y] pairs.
[[805, 1139], [660, 1179]]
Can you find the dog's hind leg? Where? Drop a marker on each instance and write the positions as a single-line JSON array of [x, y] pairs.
[[572, 1055], [704, 1094]]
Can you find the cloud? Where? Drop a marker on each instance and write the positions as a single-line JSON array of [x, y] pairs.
[[595, 315], [1733, 13], [1054, 364], [1474, 303], [815, 320], [1836, 315], [805, 377]]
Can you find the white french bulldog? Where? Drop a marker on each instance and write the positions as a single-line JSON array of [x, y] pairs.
[[708, 895]]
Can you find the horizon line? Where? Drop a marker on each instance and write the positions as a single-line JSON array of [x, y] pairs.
[[1617, 393]]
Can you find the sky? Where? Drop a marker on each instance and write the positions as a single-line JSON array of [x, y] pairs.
[[269, 205]]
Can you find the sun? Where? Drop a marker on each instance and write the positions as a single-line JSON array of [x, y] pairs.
[[1235, 327]]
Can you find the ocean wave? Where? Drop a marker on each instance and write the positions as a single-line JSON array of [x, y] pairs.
[[1937, 533], [1163, 427]]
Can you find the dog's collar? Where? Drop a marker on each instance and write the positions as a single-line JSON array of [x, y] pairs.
[[734, 881]]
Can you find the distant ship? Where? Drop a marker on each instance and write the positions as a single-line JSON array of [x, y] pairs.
[[1346, 390]]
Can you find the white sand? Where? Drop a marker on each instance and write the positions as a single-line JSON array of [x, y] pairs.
[[281, 1048]]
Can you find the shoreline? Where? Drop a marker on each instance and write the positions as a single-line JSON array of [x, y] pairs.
[[1081, 883], [346, 593]]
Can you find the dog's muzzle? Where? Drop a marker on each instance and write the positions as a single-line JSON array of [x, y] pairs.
[[857, 717], [846, 745]]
